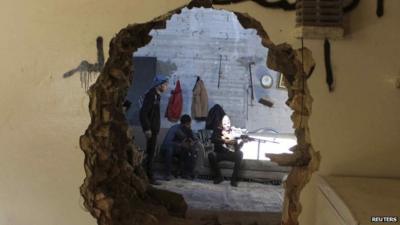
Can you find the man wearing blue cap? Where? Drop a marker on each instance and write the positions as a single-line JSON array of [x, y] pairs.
[[150, 121]]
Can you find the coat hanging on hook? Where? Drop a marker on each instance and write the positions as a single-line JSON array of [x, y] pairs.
[[199, 101], [174, 108], [197, 80]]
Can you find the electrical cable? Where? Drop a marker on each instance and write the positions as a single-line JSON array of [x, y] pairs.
[[379, 8], [328, 64]]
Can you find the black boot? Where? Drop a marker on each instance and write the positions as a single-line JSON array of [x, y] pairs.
[[234, 183], [218, 179], [214, 168]]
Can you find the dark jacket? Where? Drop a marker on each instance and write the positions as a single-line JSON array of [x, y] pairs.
[[170, 136], [184, 133], [217, 140], [150, 111]]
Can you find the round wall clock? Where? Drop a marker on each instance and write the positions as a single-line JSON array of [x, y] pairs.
[[266, 81]]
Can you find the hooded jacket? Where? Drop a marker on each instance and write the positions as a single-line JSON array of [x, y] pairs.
[[214, 117], [174, 108], [199, 101]]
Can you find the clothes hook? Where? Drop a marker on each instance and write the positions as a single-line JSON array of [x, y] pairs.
[[174, 79]]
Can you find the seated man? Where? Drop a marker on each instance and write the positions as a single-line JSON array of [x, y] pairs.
[[179, 141], [226, 148]]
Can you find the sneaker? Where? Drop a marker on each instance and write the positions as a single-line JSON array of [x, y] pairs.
[[218, 180]]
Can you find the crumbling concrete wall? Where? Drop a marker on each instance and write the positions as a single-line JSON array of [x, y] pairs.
[[117, 192]]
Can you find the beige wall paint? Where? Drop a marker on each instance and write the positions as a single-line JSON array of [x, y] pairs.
[[356, 128]]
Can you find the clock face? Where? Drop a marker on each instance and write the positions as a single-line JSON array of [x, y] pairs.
[[266, 81]]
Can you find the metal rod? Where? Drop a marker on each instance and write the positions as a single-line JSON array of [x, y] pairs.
[[220, 71], [251, 84], [247, 103]]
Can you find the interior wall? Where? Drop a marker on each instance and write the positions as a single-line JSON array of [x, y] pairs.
[[42, 114], [191, 46]]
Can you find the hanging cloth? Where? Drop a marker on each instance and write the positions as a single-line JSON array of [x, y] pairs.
[[174, 108], [199, 101]]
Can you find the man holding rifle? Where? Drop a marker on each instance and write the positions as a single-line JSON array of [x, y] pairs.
[[226, 148]]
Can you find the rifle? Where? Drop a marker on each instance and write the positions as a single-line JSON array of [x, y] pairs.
[[247, 138]]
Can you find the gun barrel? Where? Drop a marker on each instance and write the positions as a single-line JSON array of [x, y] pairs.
[[262, 140]]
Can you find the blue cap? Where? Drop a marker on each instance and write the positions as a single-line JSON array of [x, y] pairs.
[[159, 79]]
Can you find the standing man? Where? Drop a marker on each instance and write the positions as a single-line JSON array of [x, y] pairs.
[[150, 121]]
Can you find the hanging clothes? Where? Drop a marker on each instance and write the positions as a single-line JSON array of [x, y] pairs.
[[199, 101], [174, 108]]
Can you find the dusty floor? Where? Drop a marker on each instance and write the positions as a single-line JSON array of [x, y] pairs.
[[248, 196], [207, 217], [248, 204]]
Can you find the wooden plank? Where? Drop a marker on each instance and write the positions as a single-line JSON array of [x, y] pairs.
[[310, 19], [319, 24], [301, 14], [319, 13], [318, 32], [320, 17], [320, 10], [318, 4]]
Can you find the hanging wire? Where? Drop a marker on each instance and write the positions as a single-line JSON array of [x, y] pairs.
[[303, 81]]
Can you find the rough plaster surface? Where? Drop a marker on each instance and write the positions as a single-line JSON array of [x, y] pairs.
[[116, 192]]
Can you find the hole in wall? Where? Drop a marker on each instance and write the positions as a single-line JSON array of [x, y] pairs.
[[117, 192], [211, 45]]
